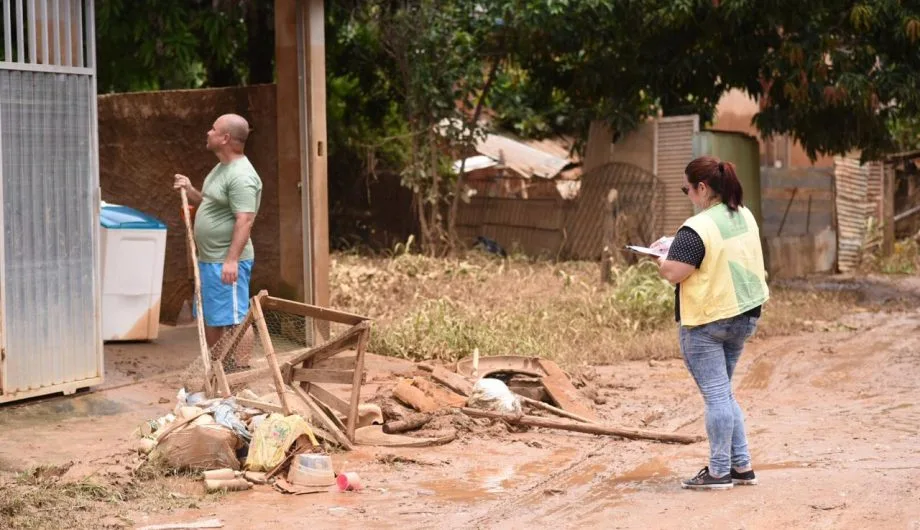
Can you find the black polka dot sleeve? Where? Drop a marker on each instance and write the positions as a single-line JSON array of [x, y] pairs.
[[687, 247]]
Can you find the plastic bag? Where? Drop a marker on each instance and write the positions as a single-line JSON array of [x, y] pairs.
[[272, 439], [493, 394], [225, 413]]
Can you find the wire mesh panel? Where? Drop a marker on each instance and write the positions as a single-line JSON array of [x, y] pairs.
[[640, 202]]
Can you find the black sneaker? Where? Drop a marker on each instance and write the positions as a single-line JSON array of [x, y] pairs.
[[744, 479], [704, 481]]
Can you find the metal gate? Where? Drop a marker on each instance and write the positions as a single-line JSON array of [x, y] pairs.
[[49, 285]]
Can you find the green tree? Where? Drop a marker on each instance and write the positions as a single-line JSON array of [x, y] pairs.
[[167, 44]]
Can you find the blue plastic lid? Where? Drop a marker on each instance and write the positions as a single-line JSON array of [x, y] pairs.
[[122, 217]]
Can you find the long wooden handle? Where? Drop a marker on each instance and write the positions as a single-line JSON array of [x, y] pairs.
[[536, 421], [193, 251]]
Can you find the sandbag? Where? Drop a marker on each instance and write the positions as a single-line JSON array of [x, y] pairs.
[[200, 448], [493, 394]]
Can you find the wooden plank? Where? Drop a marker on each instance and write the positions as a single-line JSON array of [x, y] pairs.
[[441, 395], [311, 311], [313, 375], [218, 368], [247, 376], [323, 419], [451, 380], [610, 430], [253, 403], [269, 349], [563, 392], [409, 394], [328, 398], [357, 381], [554, 410], [331, 348], [202, 342]]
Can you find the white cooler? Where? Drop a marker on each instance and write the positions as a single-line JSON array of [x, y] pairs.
[[133, 252]]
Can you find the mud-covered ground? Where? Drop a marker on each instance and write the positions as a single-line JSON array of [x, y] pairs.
[[832, 416]]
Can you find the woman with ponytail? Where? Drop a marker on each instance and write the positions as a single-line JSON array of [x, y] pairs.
[[716, 262]]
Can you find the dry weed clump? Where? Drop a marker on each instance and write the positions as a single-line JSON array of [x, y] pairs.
[[39, 498], [428, 308], [438, 308]]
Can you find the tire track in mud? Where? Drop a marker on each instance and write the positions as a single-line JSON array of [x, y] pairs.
[[603, 477]]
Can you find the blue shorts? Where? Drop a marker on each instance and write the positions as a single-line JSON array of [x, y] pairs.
[[224, 305]]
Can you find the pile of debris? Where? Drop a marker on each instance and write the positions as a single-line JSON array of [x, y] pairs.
[[504, 389], [237, 445], [284, 437]]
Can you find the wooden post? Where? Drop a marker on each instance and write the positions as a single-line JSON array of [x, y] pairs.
[[193, 252], [259, 321], [314, 45], [290, 209], [611, 207], [888, 183], [302, 150], [352, 420]]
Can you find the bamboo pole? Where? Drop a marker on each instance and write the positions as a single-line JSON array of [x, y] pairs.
[[609, 430], [202, 342]]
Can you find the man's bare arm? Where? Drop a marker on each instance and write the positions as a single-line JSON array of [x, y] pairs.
[[241, 230]]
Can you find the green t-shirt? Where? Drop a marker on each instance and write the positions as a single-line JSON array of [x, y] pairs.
[[228, 189]]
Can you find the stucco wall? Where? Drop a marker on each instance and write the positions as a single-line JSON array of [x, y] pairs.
[[145, 138]]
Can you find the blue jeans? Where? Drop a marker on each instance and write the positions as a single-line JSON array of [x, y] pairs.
[[711, 352]]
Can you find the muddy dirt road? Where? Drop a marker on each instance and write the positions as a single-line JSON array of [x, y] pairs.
[[833, 421]]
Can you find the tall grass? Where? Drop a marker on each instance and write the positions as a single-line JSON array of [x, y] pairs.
[[521, 308]]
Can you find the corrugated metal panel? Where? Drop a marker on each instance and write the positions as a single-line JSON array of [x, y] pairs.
[[673, 151], [639, 196], [521, 158], [48, 214], [874, 187], [852, 183]]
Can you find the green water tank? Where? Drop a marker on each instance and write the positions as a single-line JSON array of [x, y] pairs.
[[741, 149]]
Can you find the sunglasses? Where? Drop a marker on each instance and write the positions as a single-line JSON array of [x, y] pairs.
[[685, 189]]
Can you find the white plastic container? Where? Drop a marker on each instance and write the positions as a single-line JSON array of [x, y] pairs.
[[133, 246]]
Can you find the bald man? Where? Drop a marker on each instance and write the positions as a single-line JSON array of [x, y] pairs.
[[229, 201]]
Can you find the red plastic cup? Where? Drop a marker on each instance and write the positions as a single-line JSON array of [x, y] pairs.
[[349, 481]]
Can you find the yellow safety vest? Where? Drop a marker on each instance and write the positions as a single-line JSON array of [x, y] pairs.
[[732, 278]]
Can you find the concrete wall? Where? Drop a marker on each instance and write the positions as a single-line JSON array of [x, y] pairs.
[[637, 147], [797, 256], [734, 113], [145, 138]]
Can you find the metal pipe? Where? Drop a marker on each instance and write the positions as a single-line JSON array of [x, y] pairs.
[[20, 34], [56, 20], [7, 31], [44, 18], [68, 35], [33, 48], [78, 16]]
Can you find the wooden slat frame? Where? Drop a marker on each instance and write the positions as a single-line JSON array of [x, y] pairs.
[[313, 375], [298, 371], [312, 311]]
